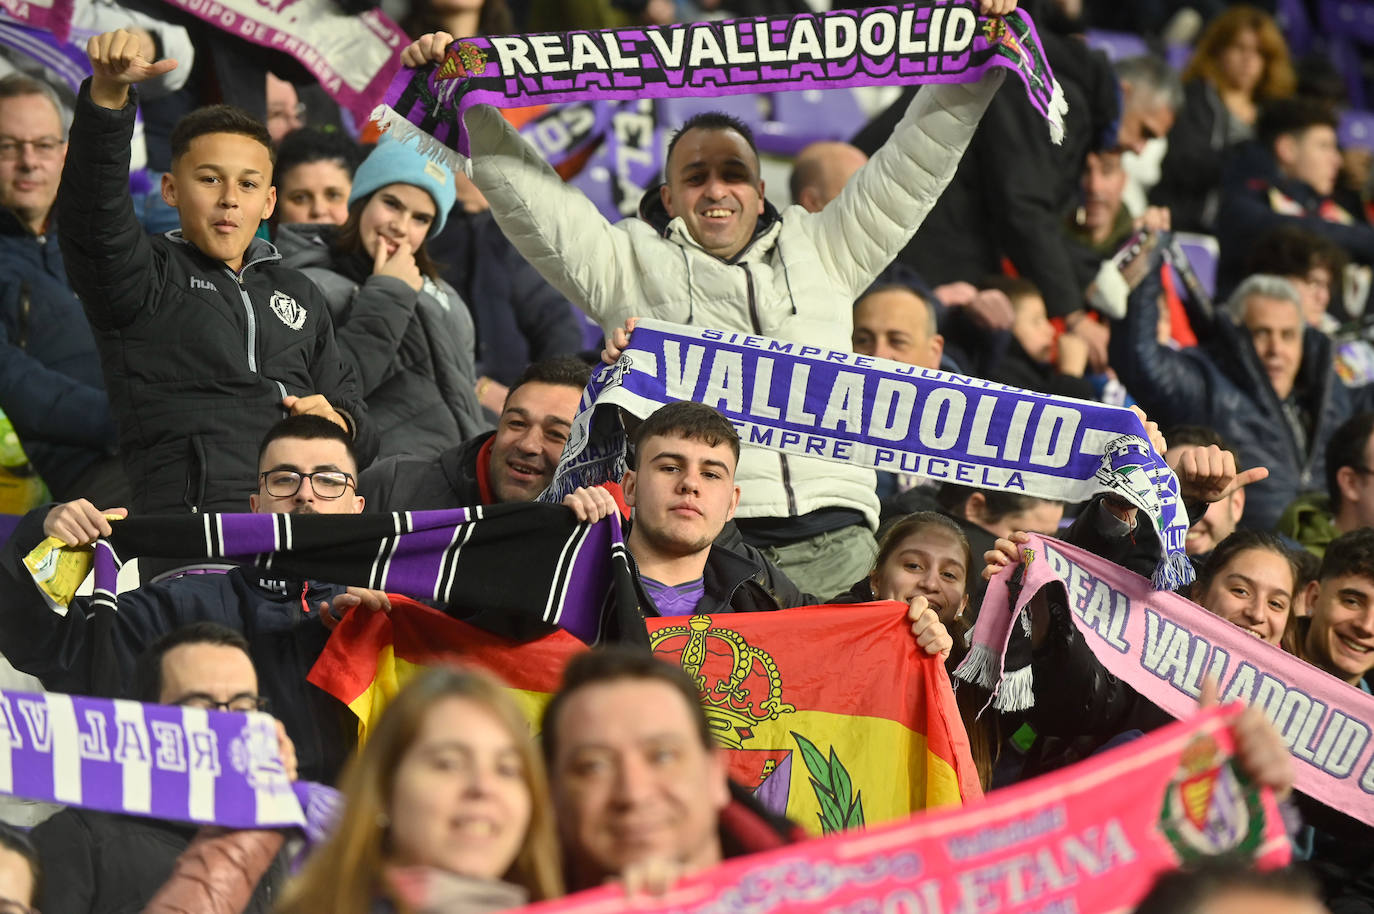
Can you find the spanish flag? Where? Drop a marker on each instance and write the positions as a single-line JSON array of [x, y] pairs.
[[829, 713]]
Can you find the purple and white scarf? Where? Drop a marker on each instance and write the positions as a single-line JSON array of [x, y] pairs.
[[933, 41]]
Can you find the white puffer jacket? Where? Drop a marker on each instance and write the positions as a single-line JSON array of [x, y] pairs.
[[796, 281]]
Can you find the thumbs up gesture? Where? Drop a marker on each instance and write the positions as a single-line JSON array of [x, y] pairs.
[[118, 60]]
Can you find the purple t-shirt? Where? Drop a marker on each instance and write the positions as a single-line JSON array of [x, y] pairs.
[[680, 600]]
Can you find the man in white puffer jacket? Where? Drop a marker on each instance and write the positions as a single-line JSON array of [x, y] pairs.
[[722, 257]]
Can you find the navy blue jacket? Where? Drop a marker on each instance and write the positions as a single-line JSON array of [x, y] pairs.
[[50, 383], [1223, 386]]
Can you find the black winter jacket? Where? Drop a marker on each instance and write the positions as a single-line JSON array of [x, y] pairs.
[[1190, 175], [92, 651], [1223, 386], [520, 318], [50, 383], [101, 863], [412, 351], [196, 358], [425, 484]]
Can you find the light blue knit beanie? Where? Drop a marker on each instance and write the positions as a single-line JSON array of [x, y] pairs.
[[396, 162]]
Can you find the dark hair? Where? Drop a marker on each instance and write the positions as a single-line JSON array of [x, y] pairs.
[[1196, 436], [1234, 545], [612, 663], [309, 428], [148, 668], [349, 239], [1293, 251], [1349, 554], [1013, 287], [12, 839], [1188, 891], [1290, 116], [306, 145], [712, 120], [997, 504], [918, 523], [564, 371], [495, 19], [932, 319], [218, 119], [1346, 449], [685, 419]]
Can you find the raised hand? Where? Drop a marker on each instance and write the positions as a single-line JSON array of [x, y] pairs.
[[118, 61], [398, 265], [79, 523], [428, 48], [1209, 474]]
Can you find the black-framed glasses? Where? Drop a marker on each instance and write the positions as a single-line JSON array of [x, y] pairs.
[[325, 483], [242, 703]]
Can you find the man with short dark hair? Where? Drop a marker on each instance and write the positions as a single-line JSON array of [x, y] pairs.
[[1315, 265], [50, 383], [636, 775], [681, 487], [1222, 886], [103, 863], [1338, 636], [305, 466], [1315, 519], [1286, 177], [894, 321], [514, 463], [204, 338], [710, 251]]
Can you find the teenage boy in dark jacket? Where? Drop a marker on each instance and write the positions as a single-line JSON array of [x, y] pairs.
[[205, 340]]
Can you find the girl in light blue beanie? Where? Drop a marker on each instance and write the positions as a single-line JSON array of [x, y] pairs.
[[409, 335]]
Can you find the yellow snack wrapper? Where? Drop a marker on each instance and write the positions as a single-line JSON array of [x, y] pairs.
[[59, 569]]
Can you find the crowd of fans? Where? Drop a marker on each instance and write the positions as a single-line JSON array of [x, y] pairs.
[[340, 325]]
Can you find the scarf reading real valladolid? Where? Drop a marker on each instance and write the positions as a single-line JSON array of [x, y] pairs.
[[881, 415], [927, 42]]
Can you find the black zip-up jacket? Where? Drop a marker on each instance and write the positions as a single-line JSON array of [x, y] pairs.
[[425, 483], [196, 358], [50, 383], [93, 651]]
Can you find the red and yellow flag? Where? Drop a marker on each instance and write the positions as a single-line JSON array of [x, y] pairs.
[[830, 713]]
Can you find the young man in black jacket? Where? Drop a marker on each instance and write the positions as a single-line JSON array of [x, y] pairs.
[[205, 340]]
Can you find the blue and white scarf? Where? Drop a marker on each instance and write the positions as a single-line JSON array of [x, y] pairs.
[[882, 415]]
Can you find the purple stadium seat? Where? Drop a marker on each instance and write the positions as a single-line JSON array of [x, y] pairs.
[[1117, 45], [1357, 129], [801, 118], [1349, 28], [1296, 26]]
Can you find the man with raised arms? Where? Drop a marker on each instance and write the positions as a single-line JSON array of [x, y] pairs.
[[709, 250]]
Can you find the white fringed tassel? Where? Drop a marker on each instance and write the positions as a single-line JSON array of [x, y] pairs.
[[390, 121]]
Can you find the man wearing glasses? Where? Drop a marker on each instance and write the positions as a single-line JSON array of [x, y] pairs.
[[306, 466], [101, 863], [50, 382]]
